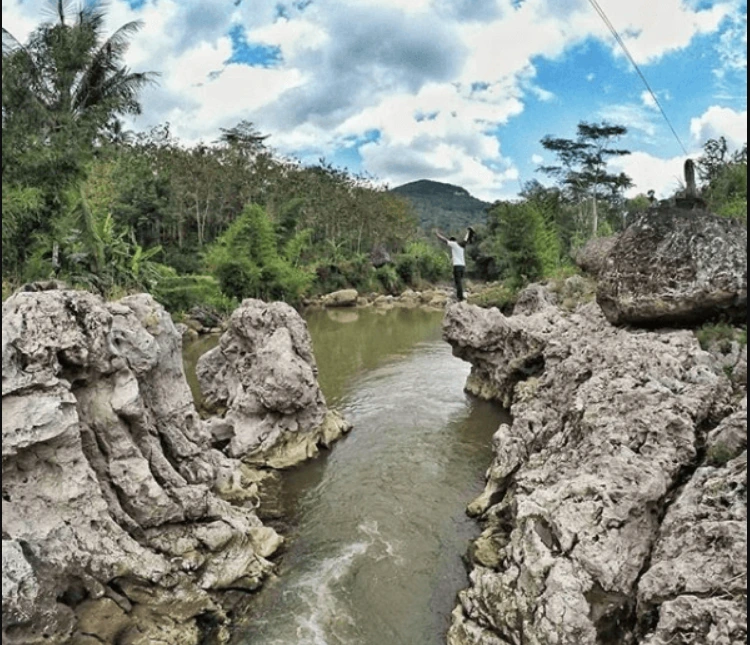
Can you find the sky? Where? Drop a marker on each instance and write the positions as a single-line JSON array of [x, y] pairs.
[[457, 91]]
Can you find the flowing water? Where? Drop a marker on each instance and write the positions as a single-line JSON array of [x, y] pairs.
[[377, 524]]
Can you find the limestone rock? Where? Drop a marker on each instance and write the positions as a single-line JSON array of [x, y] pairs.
[[342, 298], [607, 424], [263, 373], [592, 258], [104, 454], [674, 266]]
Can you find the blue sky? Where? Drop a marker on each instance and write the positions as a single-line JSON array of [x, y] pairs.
[[459, 91]]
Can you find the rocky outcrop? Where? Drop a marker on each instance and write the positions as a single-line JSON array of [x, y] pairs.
[[263, 378], [121, 522], [676, 267], [592, 257], [615, 507]]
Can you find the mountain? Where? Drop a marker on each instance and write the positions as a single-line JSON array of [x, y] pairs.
[[444, 206]]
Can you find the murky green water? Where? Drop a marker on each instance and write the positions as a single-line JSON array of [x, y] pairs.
[[378, 524]]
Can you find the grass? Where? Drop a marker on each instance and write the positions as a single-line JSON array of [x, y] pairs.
[[721, 335]]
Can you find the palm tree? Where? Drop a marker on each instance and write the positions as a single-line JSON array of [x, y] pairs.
[[69, 74]]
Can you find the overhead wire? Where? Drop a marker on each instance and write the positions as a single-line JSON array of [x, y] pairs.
[[625, 49]]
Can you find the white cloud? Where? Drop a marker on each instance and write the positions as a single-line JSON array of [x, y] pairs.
[[350, 68], [664, 176], [537, 160], [648, 100], [720, 122], [632, 116]]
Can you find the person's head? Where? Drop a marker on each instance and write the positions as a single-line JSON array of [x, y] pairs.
[[452, 238]]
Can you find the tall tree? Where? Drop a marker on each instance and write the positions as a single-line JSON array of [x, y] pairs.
[[62, 91], [582, 167]]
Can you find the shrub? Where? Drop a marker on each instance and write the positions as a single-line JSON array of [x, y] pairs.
[[247, 263], [182, 293], [721, 334], [389, 279]]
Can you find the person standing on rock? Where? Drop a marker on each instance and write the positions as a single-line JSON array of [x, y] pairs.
[[457, 256]]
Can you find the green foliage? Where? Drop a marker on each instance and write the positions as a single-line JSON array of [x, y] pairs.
[[721, 335], [182, 293], [724, 177], [499, 294], [389, 279], [21, 207], [247, 263], [525, 246]]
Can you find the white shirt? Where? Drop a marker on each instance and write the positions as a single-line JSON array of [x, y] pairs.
[[457, 253]]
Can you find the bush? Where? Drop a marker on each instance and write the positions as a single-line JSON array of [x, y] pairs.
[[389, 279], [182, 293], [247, 263], [421, 261], [501, 295], [721, 335]]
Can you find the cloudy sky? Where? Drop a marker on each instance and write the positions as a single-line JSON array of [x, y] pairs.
[[459, 91]]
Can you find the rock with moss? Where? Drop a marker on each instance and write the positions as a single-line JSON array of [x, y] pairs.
[[608, 425], [676, 267], [116, 524]]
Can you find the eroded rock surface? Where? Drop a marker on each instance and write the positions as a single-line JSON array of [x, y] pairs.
[[263, 376], [605, 521], [674, 266], [121, 523]]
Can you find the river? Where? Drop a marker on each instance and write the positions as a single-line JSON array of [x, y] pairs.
[[377, 524]]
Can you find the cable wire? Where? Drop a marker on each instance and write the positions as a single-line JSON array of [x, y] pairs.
[[622, 44]]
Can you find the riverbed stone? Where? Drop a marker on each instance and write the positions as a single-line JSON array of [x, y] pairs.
[[112, 521], [341, 298], [585, 484], [264, 375]]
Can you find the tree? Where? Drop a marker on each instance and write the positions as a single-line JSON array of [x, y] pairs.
[[582, 165], [724, 178], [63, 92]]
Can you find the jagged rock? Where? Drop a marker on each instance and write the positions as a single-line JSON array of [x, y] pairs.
[[532, 299], [673, 266], [342, 298], [592, 257], [103, 455], [607, 424], [263, 373]]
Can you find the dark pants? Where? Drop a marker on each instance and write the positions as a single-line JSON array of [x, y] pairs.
[[458, 277]]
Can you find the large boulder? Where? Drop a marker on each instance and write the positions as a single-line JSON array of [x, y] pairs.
[[676, 267], [592, 257], [116, 524], [584, 512], [263, 376]]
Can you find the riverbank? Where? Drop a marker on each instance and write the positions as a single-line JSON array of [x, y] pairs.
[[127, 517], [615, 508]]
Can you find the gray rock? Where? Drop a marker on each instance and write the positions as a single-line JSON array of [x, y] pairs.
[[103, 455], [674, 266], [263, 373], [592, 257], [342, 298], [607, 424]]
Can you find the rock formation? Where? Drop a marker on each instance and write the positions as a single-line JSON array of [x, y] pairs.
[[122, 523], [264, 377], [676, 266], [615, 508]]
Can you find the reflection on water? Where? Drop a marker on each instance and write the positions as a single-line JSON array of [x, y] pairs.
[[378, 522]]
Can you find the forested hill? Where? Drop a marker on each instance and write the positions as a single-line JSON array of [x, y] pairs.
[[445, 206]]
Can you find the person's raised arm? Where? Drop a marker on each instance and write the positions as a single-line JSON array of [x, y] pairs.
[[442, 238]]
